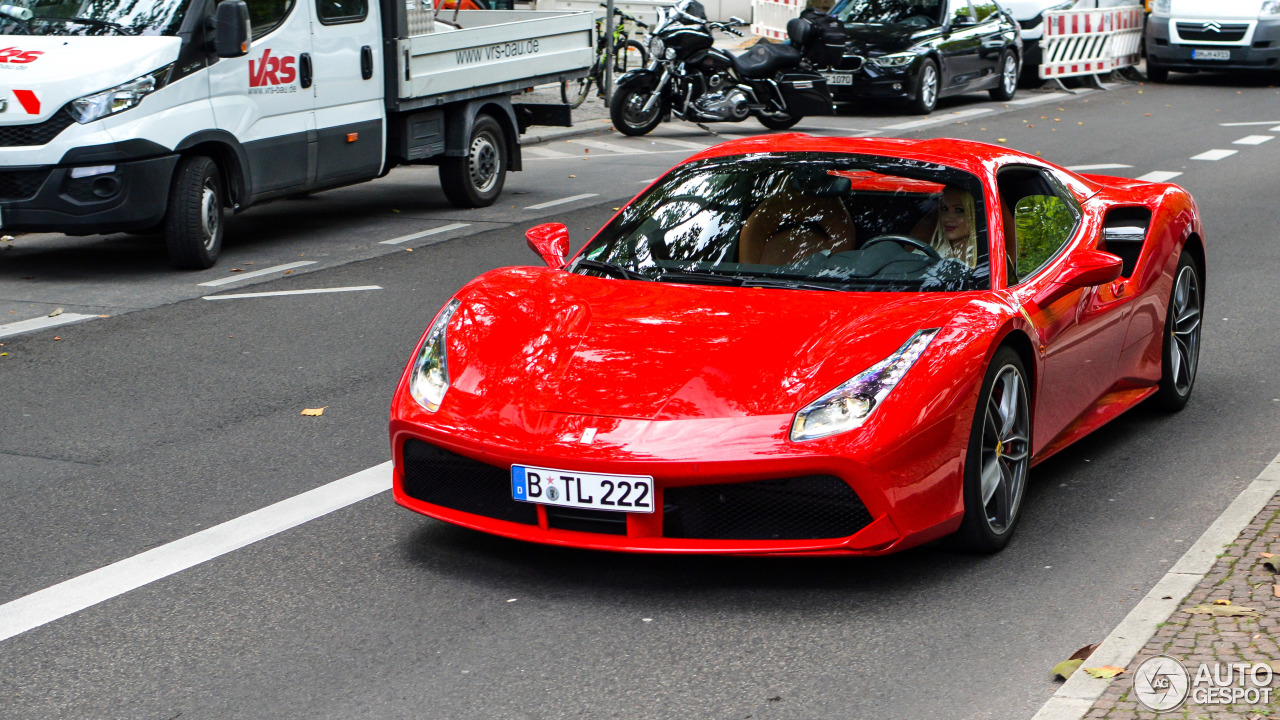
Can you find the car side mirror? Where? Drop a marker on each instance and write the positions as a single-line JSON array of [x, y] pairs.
[[550, 241], [1090, 268], [231, 30], [963, 21]]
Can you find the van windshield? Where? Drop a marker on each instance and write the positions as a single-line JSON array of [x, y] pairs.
[[92, 17]]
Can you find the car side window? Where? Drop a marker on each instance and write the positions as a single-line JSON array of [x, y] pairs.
[[985, 9], [266, 15], [1039, 217], [334, 12], [959, 12]]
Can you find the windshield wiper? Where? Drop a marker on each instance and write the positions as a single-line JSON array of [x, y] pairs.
[[89, 21], [700, 278], [779, 283], [611, 268]]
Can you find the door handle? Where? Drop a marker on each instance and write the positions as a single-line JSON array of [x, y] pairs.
[[304, 69], [366, 62]]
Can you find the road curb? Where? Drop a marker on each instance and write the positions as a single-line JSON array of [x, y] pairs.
[[1078, 694]]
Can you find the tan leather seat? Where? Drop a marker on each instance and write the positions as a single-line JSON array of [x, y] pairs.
[[783, 229]]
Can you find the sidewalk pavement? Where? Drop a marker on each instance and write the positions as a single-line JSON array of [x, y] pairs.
[[1201, 633]]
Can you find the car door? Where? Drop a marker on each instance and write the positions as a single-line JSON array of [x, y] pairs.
[[959, 48], [991, 40], [349, 108], [263, 98]]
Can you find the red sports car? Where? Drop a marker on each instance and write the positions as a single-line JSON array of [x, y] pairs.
[[801, 345]]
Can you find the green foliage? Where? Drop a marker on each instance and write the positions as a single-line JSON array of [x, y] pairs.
[[1043, 223]]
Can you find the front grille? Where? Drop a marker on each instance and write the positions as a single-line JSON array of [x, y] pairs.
[[1216, 32], [36, 134], [21, 184], [799, 508], [592, 521], [450, 480]]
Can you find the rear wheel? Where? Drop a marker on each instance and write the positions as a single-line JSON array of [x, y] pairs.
[[476, 180], [574, 92], [1008, 78], [627, 111], [193, 225], [1156, 73], [1181, 337], [779, 121], [998, 458], [927, 85]]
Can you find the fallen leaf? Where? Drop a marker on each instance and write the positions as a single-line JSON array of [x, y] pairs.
[[314, 412], [1104, 672], [1267, 554], [56, 312], [775, 698], [1271, 563], [237, 270], [1275, 589], [1065, 668], [573, 176], [288, 272], [1221, 602], [6, 354], [104, 316], [1084, 652], [55, 337], [408, 249], [1001, 140], [1223, 611]]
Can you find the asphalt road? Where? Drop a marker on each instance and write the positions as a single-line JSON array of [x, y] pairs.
[[176, 413]]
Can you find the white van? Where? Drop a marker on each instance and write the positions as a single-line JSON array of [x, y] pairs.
[[1195, 35]]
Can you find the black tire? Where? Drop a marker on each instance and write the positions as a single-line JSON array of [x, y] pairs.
[[926, 98], [629, 56], [779, 123], [476, 180], [625, 110], [196, 218], [574, 92], [979, 531], [1007, 84], [1157, 73], [1181, 336]]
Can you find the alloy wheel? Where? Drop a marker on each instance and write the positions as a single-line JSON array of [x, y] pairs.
[[633, 113], [1184, 351], [1010, 74], [1006, 449], [929, 86]]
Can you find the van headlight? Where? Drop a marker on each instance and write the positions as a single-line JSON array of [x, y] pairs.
[[430, 377], [849, 405], [119, 98], [1269, 8]]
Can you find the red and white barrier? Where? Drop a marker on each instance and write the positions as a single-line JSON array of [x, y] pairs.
[[769, 17], [1089, 42]]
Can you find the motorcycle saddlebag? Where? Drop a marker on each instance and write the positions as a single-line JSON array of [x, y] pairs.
[[806, 94], [827, 38]]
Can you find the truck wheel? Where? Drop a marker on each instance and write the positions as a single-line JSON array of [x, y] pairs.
[[476, 180], [194, 223]]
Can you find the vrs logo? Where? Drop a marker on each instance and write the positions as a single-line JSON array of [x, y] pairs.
[[272, 70], [18, 56]]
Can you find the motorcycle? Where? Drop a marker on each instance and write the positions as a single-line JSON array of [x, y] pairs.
[[689, 79]]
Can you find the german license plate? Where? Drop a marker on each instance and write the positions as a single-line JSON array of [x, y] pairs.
[[838, 78], [1198, 54], [566, 488]]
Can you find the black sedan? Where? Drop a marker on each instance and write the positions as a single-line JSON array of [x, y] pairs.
[[921, 50]]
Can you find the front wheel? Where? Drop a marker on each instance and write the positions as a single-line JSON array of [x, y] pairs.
[[574, 92], [998, 458], [779, 121], [627, 111], [1008, 78], [1156, 73], [476, 180], [927, 85], [1181, 352], [194, 223]]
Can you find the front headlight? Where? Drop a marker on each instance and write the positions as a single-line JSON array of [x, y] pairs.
[[119, 98], [849, 405], [430, 378], [1269, 8], [896, 60], [1161, 7], [657, 48]]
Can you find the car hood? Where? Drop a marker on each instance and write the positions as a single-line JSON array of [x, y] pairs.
[[885, 38], [555, 341], [42, 73]]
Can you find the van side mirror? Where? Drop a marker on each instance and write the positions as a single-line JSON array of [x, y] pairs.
[[550, 241], [231, 31]]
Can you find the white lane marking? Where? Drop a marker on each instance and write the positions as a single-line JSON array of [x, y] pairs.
[[608, 147], [279, 293], [1100, 166], [544, 152], [256, 273], [937, 119], [71, 596], [679, 143], [1037, 99], [40, 323], [1275, 129], [1253, 139], [1244, 124], [1159, 176], [1078, 693], [1216, 154], [561, 201], [424, 233]]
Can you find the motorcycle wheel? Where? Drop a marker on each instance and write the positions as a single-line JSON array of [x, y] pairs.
[[626, 110], [779, 121]]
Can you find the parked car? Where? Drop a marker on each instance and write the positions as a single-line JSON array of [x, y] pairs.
[[803, 345], [922, 50], [1187, 36], [1030, 17]]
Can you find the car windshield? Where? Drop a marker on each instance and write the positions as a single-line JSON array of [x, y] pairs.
[[888, 12], [819, 221], [92, 17]]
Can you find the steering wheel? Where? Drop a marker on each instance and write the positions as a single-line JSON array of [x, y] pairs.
[[920, 245]]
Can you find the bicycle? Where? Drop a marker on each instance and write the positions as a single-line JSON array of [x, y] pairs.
[[627, 53]]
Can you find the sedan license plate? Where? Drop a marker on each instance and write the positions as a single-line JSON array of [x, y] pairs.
[[838, 78], [566, 488], [1210, 54]]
